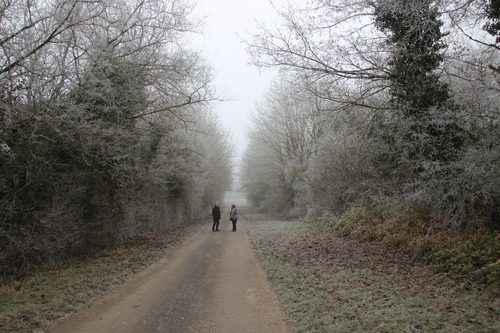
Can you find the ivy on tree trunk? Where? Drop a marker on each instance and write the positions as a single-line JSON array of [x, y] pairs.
[[414, 33]]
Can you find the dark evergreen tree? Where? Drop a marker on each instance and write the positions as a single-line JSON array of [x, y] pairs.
[[493, 15], [415, 36]]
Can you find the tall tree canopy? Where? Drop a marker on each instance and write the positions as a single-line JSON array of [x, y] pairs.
[[104, 118], [405, 91]]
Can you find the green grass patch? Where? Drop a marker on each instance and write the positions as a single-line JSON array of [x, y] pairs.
[[37, 302], [330, 284]]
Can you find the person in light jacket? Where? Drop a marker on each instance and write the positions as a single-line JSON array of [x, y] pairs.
[[216, 217], [233, 216]]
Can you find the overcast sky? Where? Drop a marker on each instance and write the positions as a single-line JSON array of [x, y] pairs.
[[223, 49]]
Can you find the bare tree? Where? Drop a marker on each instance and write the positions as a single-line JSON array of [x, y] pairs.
[[398, 68], [286, 125], [99, 103]]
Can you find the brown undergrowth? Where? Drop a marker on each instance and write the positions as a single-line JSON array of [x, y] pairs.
[[461, 250], [333, 284]]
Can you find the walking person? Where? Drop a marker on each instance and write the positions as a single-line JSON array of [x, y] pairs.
[[233, 216], [216, 217]]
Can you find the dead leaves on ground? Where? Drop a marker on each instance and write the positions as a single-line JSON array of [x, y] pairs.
[[319, 276]]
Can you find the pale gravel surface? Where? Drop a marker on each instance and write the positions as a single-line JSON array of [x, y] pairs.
[[211, 283]]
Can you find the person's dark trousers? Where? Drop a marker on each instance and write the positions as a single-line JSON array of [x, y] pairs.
[[215, 226], [234, 225]]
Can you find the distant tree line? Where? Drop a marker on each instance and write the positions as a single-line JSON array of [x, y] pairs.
[[106, 127], [380, 102]]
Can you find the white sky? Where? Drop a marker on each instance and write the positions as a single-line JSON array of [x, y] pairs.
[[224, 51]]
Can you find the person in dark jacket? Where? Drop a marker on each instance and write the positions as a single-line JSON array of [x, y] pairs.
[[233, 216], [216, 217]]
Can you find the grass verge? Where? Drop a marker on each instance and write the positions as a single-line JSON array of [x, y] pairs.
[[330, 284], [52, 293]]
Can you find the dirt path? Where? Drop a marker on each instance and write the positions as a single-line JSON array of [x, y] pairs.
[[212, 283]]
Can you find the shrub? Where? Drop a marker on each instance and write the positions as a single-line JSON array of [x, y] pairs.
[[435, 239]]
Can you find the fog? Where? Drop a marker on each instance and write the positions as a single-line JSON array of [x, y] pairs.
[[233, 197]]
